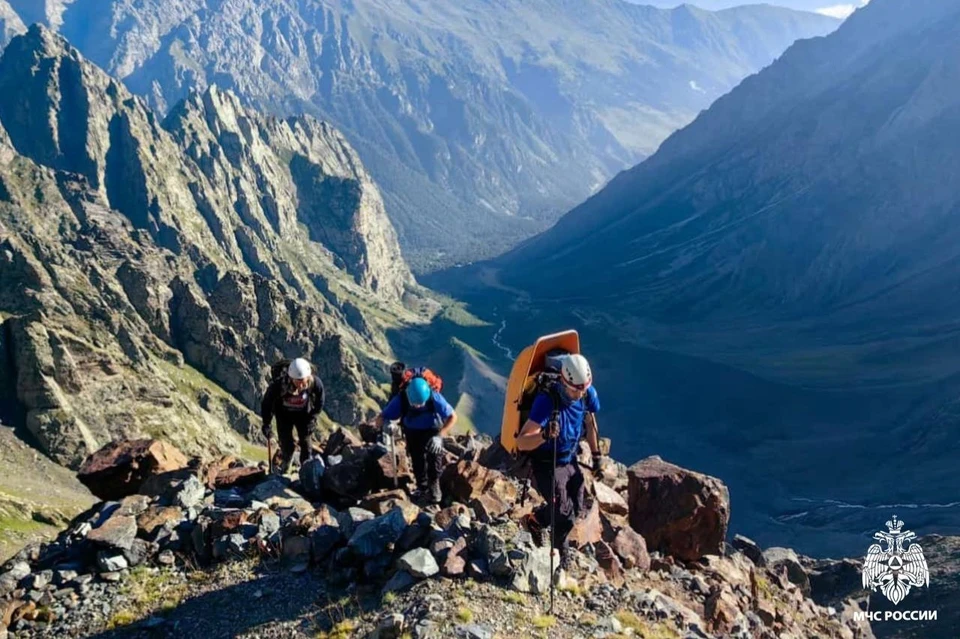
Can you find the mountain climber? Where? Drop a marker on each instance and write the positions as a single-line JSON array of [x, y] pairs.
[[426, 418], [577, 403], [295, 398]]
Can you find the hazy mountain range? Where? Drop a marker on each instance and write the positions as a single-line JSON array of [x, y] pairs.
[[481, 121], [834, 8]]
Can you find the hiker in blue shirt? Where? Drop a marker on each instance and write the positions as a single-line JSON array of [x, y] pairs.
[[577, 404], [426, 418]]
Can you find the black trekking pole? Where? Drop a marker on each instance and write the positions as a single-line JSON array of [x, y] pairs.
[[553, 515]]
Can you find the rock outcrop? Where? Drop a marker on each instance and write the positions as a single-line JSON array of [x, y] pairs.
[[154, 269], [678, 512], [389, 544]]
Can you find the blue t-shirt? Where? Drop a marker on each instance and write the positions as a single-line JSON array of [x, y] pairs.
[[571, 422], [419, 418]]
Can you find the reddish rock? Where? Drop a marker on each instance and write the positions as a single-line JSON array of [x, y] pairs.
[[120, 468], [239, 476], [466, 481], [587, 529], [155, 518], [8, 609], [227, 522], [609, 563], [678, 512], [488, 507], [455, 563], [632, 549], [721, 611], [386, 471], [446, 516], [610, 500], [383, 502]]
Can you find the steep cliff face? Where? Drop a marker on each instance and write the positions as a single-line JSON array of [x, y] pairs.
[[154, 270]]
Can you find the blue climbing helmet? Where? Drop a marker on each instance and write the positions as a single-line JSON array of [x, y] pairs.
[[418, 391]]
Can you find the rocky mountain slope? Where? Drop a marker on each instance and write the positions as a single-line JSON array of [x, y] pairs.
[[222, 550], [480, 121], [780, 276], [154, 268]]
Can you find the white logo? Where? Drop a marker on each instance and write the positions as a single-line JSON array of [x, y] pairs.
[[895, 569]]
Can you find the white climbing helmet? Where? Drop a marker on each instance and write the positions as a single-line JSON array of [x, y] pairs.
[[299, 369], [576, 372]]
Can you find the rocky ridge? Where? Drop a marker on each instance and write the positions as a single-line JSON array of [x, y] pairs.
[[154, 269], [405, 569]]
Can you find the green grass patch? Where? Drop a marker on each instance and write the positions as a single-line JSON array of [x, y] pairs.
[[252, 452], [464, 615], [543, 621], [643, 629], [511, 596], [146, 591], [389, 598], [341, 630]]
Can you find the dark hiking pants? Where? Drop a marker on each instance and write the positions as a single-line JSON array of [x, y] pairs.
[[569, 488], [285, 435], [426, 467]]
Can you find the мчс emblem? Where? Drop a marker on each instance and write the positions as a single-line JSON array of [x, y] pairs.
[[895, 569]]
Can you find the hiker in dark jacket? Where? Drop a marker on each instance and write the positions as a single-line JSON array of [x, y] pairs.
[[296, 400], [426, 418], [578, 403]]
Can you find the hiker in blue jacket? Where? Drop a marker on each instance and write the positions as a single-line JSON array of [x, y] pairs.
[[576, 406], [426, 418]]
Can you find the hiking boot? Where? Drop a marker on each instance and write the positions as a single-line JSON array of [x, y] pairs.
[[435, 495], [284, 466], [419, 495], [533, 527]]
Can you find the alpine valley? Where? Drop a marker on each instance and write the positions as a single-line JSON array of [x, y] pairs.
[[771, 297]]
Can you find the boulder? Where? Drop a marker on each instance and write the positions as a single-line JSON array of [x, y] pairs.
[[375, 536], [386, 471], [587, 529], [400, 581], [419, 563], [489, 507], [609, 563], [239, 477], [466, 481], [341, 441], [117, 532], [532, 570], [349, 480], [455, 560], [120, 468], [833, 581], [610, 500], [311, 477], [678, 512], [631, 547], [721, 611], [785, 561], [323, 526], [449, 514], [190, 493], [750, 549], [296, 552]]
